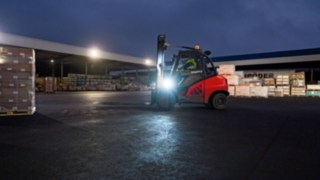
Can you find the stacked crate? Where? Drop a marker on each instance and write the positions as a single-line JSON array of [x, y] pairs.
[[258, 91], [313, 90], [50, 85], [252, 87], [242, 91], [271, 85], [17, 81], [228, 71], [298, 84], [283, 85]]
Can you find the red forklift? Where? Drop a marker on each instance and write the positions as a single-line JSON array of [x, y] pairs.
[[193, 78]]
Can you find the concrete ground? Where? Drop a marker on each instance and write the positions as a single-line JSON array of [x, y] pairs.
[[117, 135]]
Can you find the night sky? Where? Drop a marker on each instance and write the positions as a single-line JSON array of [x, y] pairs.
[[131, 26]]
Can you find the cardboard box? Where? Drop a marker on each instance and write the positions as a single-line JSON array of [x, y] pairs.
[[231, 90], [242, 91], [268, 82], [17, 73], [232, 79], [226, 69], [313, 87], [256, 91]]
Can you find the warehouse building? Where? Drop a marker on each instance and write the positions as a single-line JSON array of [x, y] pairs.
[[266, 64], [21, 58]]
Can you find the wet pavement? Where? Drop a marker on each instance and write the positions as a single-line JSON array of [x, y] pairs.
[[118, 135]]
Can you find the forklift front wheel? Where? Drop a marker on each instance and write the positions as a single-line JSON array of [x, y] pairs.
[[165, 100], [219, 101]]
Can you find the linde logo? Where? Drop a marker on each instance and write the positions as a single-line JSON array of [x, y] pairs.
[[259, 75]]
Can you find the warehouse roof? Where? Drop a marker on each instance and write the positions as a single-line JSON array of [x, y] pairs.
[[38, 44], [293, 56]]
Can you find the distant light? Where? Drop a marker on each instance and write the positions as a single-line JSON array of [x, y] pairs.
[[1, 61], [52, 61], [94, 53], [148, 62]]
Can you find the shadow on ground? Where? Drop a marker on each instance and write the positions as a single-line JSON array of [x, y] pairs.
[[35, 121]]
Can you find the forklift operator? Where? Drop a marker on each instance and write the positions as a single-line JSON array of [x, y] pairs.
[[190, 64], [189, 74]]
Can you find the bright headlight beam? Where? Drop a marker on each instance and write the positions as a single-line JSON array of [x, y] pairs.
[[167, 84]]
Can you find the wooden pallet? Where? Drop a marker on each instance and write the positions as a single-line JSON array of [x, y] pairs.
[[16, 113]]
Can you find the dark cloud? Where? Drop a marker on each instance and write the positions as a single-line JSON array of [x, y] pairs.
[[131, 27]]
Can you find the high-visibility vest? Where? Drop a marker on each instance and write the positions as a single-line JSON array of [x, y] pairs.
[[193, 63]]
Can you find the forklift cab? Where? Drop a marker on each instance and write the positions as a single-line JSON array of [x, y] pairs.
[[190, 68]]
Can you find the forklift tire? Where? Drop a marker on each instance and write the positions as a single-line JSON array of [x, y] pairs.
[[219, 101], [165, 100]]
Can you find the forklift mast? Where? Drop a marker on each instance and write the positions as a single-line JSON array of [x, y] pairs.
[[161, 47]]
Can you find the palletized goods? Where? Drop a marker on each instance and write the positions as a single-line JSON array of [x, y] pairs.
[[50, 84], [298, 79], [226, 69], [313, 93], [17, 81], [313, 87], [232, 79], [259, 91], [298, 91], [269, 82], [282, 80], [242, 91], [231, 90]]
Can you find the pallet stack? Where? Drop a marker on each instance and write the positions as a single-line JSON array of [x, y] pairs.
[[242, 91], [50, 85], [298, 84], [17, 81], [271, 85], [228, 71], [283, 85], [313, 90], [259, 91]]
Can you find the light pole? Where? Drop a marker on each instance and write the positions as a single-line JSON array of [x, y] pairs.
[[52, 67], [93, 53], [61, 69]]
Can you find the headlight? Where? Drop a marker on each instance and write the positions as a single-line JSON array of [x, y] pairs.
[[167, 83]]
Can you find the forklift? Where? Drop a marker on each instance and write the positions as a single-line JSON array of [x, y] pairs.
[[193, 78]]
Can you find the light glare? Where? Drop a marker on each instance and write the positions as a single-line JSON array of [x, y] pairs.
[[1, 61], [94, 53], [167, 84], [148, 62]]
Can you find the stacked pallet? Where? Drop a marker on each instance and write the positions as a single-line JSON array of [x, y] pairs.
[[17, 81], [283, 85], [243, 91], [269, 82], [259, 91], [231, 90], [298, 84], [313, 90], [282, 80], [250, 82], [228, 71], [50, 85]]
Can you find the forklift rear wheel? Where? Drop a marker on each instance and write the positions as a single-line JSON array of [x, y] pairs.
[[219, 101]]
